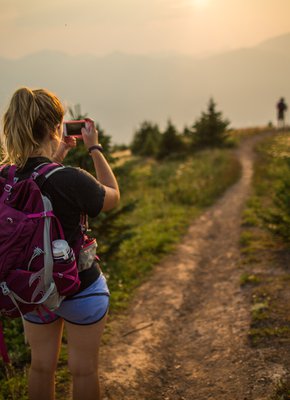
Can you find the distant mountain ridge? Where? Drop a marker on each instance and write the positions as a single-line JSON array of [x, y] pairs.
[[122, 90], [279, 43]]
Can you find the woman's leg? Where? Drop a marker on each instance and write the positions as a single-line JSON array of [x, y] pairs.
[[83, 349], [45, 342]]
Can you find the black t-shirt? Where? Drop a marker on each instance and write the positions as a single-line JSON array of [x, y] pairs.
[[72, 192]]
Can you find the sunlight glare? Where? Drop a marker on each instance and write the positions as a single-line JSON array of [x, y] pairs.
[[199, 3]]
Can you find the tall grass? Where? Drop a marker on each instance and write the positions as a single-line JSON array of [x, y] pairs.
[[270, 204], [265, 244], [159, 201]]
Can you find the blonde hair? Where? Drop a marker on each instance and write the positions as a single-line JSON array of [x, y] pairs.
[[31, 116]]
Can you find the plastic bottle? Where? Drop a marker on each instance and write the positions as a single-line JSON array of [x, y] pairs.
[[62, 252]]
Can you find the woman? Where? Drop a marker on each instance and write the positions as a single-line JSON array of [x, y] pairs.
[[33, 134]]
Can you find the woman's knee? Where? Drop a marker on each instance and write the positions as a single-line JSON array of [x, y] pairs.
[[83, 348], [47, 366], [45, 341], [83, 366]]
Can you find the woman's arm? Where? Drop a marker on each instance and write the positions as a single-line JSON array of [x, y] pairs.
[[107, 178], [104, 173]]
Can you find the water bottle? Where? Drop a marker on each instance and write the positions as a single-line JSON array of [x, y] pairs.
[[62, 252]]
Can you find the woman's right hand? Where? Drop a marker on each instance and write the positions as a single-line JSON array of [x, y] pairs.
[[90, 134]]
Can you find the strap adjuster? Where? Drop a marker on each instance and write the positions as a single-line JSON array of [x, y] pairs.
[[4, 288], [8, 188], [34, 175]]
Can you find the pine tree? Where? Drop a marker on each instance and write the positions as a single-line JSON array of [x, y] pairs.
[[146, 140], [210, 128], [171, 142]]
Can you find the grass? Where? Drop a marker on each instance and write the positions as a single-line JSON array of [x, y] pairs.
[[257, 335], [238, 135], [270, 319], [247, 278], [266, 253], [13, 384], [159, 201], [282, 391]]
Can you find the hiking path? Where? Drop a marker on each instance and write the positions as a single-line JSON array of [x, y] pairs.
[[184, 336]]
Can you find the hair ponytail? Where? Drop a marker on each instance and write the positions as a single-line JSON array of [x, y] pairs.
[[31, 116]]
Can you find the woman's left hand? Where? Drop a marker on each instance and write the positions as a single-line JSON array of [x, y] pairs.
[[67, 143]]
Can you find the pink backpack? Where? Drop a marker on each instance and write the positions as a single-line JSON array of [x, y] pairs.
[[30, 279]]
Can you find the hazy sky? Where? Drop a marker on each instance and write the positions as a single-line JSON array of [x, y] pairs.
[[138, 26]]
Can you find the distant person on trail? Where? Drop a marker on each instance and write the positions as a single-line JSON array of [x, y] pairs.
[[33, 135], [281, 109]]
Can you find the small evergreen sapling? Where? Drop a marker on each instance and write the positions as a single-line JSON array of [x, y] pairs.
[[210, 129]]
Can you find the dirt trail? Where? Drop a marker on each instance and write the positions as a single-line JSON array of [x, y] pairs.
[[185, 334]]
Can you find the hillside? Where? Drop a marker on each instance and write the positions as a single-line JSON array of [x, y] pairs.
[[122, 90]]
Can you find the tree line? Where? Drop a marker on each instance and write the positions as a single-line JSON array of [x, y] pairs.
[[209, 130]]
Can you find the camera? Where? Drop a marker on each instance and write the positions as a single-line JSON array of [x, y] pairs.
[[74, 128]]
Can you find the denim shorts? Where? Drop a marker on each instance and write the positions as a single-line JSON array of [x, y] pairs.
[[85, 308]]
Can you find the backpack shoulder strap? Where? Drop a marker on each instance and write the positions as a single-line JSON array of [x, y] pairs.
[[45, 168], [9, 181], [9, 171], [43, 171], [2, 167]]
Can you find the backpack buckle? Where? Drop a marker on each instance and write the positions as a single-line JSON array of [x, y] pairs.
[[34, 175], [4, 288], [8, 188]]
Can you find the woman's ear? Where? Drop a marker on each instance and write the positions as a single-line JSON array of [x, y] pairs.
[[53, 135], [59, 129], [57, 134]]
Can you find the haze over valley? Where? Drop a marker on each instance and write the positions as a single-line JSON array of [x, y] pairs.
[[122, 90]]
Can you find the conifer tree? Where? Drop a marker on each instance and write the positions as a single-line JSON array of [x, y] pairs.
[[171, 142], [146, 140], [210, 128]]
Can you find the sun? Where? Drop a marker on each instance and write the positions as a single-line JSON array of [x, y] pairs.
[[199, 3]]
